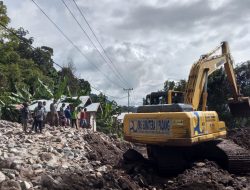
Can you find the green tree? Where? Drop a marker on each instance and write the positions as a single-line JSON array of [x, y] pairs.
[[180, 85], [28, 73], [67, 72], [219, 91], [175, 85], [84, 87], [105, 120], [169, 85], [243, 77], [4, 19]]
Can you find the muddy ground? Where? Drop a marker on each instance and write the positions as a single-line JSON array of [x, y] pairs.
[[240, 136], [143, 175]]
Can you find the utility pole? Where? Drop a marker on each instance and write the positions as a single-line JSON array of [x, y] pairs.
[[128, 89]]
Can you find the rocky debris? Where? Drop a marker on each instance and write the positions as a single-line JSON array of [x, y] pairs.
[[202, 175], [10, 185], [25, 185], [80, 159], [59, 159], [2, 177], [208, 176], [102, 149]]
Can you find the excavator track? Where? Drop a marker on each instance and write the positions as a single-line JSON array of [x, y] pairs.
[[237, 158], [173, 160]]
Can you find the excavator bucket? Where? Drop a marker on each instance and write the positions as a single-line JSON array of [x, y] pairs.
[[240, 108]]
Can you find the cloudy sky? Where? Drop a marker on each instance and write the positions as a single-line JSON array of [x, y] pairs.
[[148, 41]]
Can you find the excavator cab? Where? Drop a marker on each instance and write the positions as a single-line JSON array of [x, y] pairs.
[[240, 107], [163, 97]]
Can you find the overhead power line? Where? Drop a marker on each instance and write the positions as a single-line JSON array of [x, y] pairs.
[[98, 41], [33, 48], [86, 34], [76, 47]]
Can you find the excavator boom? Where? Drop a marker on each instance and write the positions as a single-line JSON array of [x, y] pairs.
[[197, 82], [239, 105]]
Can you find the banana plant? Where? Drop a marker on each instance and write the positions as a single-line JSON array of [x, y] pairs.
[[61, 89], [105, 121], [7, 108], [9, 99], [42, 90]]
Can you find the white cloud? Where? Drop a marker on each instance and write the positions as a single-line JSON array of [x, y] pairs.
[[148, 41], [216, 4]]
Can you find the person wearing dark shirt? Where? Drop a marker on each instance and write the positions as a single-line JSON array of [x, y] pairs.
[[62, 115], [54, 114], [25, 116], [67, 114], [39, 116], [45, 114]]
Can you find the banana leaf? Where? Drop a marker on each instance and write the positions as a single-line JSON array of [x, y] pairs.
[[25, 93], [42, 91], [17, 98], [2, 103], [61, 89]]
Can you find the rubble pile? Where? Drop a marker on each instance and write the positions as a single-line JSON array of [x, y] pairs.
[[80, 159], [207, 175], [240, 136], [59, 159], [201, 175]]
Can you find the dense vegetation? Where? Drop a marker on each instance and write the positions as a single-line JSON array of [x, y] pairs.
[[21, 65], [28, 73]]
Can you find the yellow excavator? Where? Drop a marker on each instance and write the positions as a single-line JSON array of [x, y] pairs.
[[177, 133]]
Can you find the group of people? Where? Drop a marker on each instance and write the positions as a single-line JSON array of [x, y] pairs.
[[68, 116], [71, 115]]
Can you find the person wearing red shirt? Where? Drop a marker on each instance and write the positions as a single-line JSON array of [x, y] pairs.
[[84, 118]]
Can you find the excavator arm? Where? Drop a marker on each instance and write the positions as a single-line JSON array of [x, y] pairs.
[[229, 70], [197, 81]]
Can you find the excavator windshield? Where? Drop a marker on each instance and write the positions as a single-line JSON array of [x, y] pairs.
[[163, 97]]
